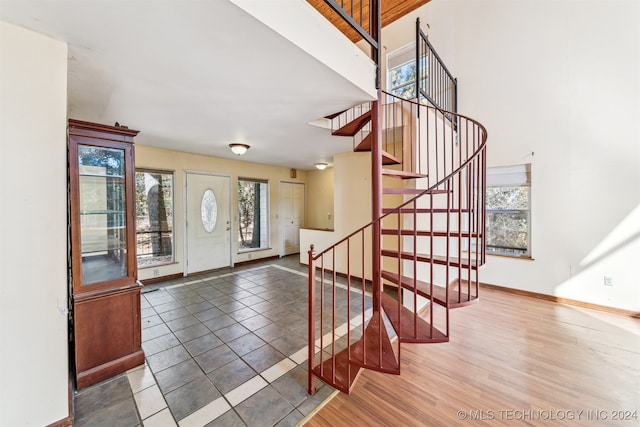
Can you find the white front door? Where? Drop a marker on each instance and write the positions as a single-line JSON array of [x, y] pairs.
[[208, 207], [291, 216]]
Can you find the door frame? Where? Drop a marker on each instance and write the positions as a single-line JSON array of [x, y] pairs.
[[304, 214], [185, 173]]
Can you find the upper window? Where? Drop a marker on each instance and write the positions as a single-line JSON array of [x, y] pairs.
[[508, 204], [253, 214], [401, 72], [154, 217]]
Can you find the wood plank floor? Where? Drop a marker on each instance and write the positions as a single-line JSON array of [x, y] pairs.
[[512, 360]]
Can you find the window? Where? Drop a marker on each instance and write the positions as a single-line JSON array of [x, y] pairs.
[[508, 203], [253, 214], [401, 74], [154, 217]]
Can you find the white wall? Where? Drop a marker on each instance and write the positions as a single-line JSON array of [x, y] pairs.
[[320, 199], [352, 205], [33, 194], [557, 84], [323, 42]]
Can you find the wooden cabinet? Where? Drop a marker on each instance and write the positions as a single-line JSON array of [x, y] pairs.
[[105, 292]]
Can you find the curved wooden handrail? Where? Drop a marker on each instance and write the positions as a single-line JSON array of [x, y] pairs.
[[395, 210]]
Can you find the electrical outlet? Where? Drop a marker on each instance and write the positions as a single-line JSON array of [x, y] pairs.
[[156, 272], [608, 281]]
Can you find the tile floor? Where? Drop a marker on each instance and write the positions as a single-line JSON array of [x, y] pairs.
[[222, 349]]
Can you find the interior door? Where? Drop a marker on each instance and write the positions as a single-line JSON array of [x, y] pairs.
[[208, 225], [292, 204]]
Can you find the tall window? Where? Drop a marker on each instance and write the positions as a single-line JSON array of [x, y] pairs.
[[253, 214], [401, 74], [508, 206], [154, 217]]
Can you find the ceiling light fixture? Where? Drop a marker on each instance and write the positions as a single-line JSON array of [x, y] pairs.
[[321, 166], [239, 149]]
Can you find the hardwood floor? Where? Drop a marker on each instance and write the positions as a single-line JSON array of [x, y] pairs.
[[511, 360]]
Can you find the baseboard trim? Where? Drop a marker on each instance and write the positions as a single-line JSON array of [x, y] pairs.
[[65, 422], [560, 300], [355, 279], [200, 273], [162, 278], [252, 261]]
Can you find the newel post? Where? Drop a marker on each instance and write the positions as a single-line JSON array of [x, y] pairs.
[[312, 320]]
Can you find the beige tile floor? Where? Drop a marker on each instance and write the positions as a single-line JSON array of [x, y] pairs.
[[222, 349]]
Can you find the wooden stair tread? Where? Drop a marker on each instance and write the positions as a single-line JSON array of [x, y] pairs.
[[459, 295], [402, 191], [457, 298], [334, 115], [346, 373], [365, 352], [437, 259], [409, 327], [423, 210], [412, 191], [388, 159], [437, 233], [402, 174], [365, 144], [354, 126]]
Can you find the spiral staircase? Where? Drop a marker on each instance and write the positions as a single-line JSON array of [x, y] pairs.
[[395, 280]]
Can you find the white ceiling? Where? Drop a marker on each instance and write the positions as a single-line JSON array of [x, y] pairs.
[[193, 76]]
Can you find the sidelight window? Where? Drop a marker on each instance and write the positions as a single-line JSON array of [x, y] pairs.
[[154, 217], [253, 214]]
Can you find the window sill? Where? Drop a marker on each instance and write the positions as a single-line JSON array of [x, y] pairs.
[[244, 251], [164, 264], [523, 258]]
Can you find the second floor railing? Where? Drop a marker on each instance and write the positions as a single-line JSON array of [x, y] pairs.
[[363, 20], [435, 83]]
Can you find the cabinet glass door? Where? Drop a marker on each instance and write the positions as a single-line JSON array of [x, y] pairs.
[[102, 214]]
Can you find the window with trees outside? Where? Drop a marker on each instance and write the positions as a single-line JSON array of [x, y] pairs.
[[401, 74], [253, 214], [154, 217], [508, 207]]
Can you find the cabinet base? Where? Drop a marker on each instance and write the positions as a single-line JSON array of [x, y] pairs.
[[109, 369]]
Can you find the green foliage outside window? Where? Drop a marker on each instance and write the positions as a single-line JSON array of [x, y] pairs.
[[403, 80]]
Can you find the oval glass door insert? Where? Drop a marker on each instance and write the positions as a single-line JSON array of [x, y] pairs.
[[209, 210]]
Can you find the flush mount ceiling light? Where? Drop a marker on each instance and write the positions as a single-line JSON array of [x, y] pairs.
[[321, 166], [239, 149]]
